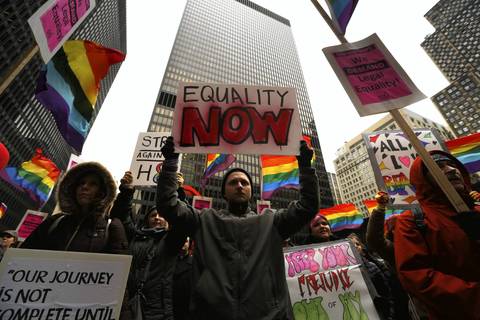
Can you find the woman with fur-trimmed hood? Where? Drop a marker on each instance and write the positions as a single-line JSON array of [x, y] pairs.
[[85, 195]]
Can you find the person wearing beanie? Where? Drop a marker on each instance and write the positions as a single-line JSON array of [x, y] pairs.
[[85, 194], [8, 239], [238, 268]]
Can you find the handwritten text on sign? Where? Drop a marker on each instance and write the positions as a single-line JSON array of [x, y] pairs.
[[44, 285], [325, 282], [212, 118]]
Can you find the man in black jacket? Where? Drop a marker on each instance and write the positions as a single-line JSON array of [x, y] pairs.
[[238, 268]]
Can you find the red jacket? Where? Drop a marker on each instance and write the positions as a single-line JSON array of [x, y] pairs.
[[440, 266]]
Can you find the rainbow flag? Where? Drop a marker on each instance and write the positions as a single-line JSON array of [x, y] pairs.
[[341, 11], [343, 216], [69, 83], [216, 162], [37, 177], [3, 209], [467, 151], [278, 172], [308, 140], [370, 204]]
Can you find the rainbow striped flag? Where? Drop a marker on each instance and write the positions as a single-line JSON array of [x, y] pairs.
[[216, 162], [278, 172], [69, 83], [37, 177], [370, 204], [3, 209], [341, 11], [343, 216], [467, 151]]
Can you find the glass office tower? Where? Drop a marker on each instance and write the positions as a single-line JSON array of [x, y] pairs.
[[234, 42]]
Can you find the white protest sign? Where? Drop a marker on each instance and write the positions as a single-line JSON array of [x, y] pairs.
[[30, 221], [73, 161], [200, 202], [217, 118], [392, 155], [325, 282], [55, 21], [147, 158], [374, 81], [42, 285]]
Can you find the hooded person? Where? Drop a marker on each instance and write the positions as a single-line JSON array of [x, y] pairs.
[[238, 269], [319, 230], [440, 263], [85, 195], [154, 248]]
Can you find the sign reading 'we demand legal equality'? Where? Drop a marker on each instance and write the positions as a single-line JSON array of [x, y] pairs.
[[211, 118]]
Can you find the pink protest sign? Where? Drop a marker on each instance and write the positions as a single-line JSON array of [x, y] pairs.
[[262, 205], [30, 221], [373, 79], [202, 202], [54, 22], [215, 118]]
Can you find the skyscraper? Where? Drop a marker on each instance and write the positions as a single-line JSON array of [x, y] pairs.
[[235, 42], [27, 125], [454, 48]]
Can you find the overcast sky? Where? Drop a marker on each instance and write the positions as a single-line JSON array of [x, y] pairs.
[[151, 30]]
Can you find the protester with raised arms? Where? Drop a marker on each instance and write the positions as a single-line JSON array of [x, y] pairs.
[[238, 269]]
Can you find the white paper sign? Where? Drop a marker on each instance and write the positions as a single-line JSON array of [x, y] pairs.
[[325, 282], [147, 158], [55, 21], [40, 284], [217, 118], [30, 221]]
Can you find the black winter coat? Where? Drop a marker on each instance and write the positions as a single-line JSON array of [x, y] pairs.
[[238, 269]]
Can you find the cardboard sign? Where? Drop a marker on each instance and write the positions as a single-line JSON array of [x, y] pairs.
[[30, 221], [55, 21], [325, 281], [202, 202], [215, 118], [147, 158], [372, 78], [262, 205], [392, 155], [39, 284]]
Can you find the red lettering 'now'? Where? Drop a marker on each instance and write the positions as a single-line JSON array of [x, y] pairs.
[[279, 126], [193, 124]]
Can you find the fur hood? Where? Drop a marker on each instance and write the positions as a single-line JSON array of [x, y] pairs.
[[66, 188]]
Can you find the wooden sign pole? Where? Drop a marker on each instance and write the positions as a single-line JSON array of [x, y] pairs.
[[452, 195]]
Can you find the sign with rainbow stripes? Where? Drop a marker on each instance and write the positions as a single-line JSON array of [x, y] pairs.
[[391, 156], [467, 150]]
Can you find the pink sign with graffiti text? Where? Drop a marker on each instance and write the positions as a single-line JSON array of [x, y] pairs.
[[55, 21], [373, 79], [202, 202], [30, 221]]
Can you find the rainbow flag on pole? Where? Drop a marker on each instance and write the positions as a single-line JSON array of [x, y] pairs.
[[343, 216], [278, 172], [216, 162], [341, 11], [370, 204], [467, 151], [37, 177], [69, 83]]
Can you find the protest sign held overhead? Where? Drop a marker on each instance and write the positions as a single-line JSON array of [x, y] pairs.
[[391, 155], [214, 118], [372, 78], [55, 21], [325, 281], [30, 221], [147, 158], [40, 284], [200, 202], [262, 205]]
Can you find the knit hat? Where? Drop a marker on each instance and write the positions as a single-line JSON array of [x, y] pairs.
[[229, 172], [11, 233], [317, 218]]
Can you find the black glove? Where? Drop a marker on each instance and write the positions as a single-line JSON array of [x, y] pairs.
[[469, 221], [171, 157], [168, 149], [305, 157]]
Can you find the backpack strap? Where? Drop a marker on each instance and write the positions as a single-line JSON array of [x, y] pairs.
[[55, 223]]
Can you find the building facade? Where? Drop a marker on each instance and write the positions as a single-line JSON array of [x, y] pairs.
[[336, 193], [455, 48], [26, 124], [354, 172], [234, 42]]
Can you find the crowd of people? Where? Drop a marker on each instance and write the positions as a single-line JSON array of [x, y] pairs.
[[229, 263]]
